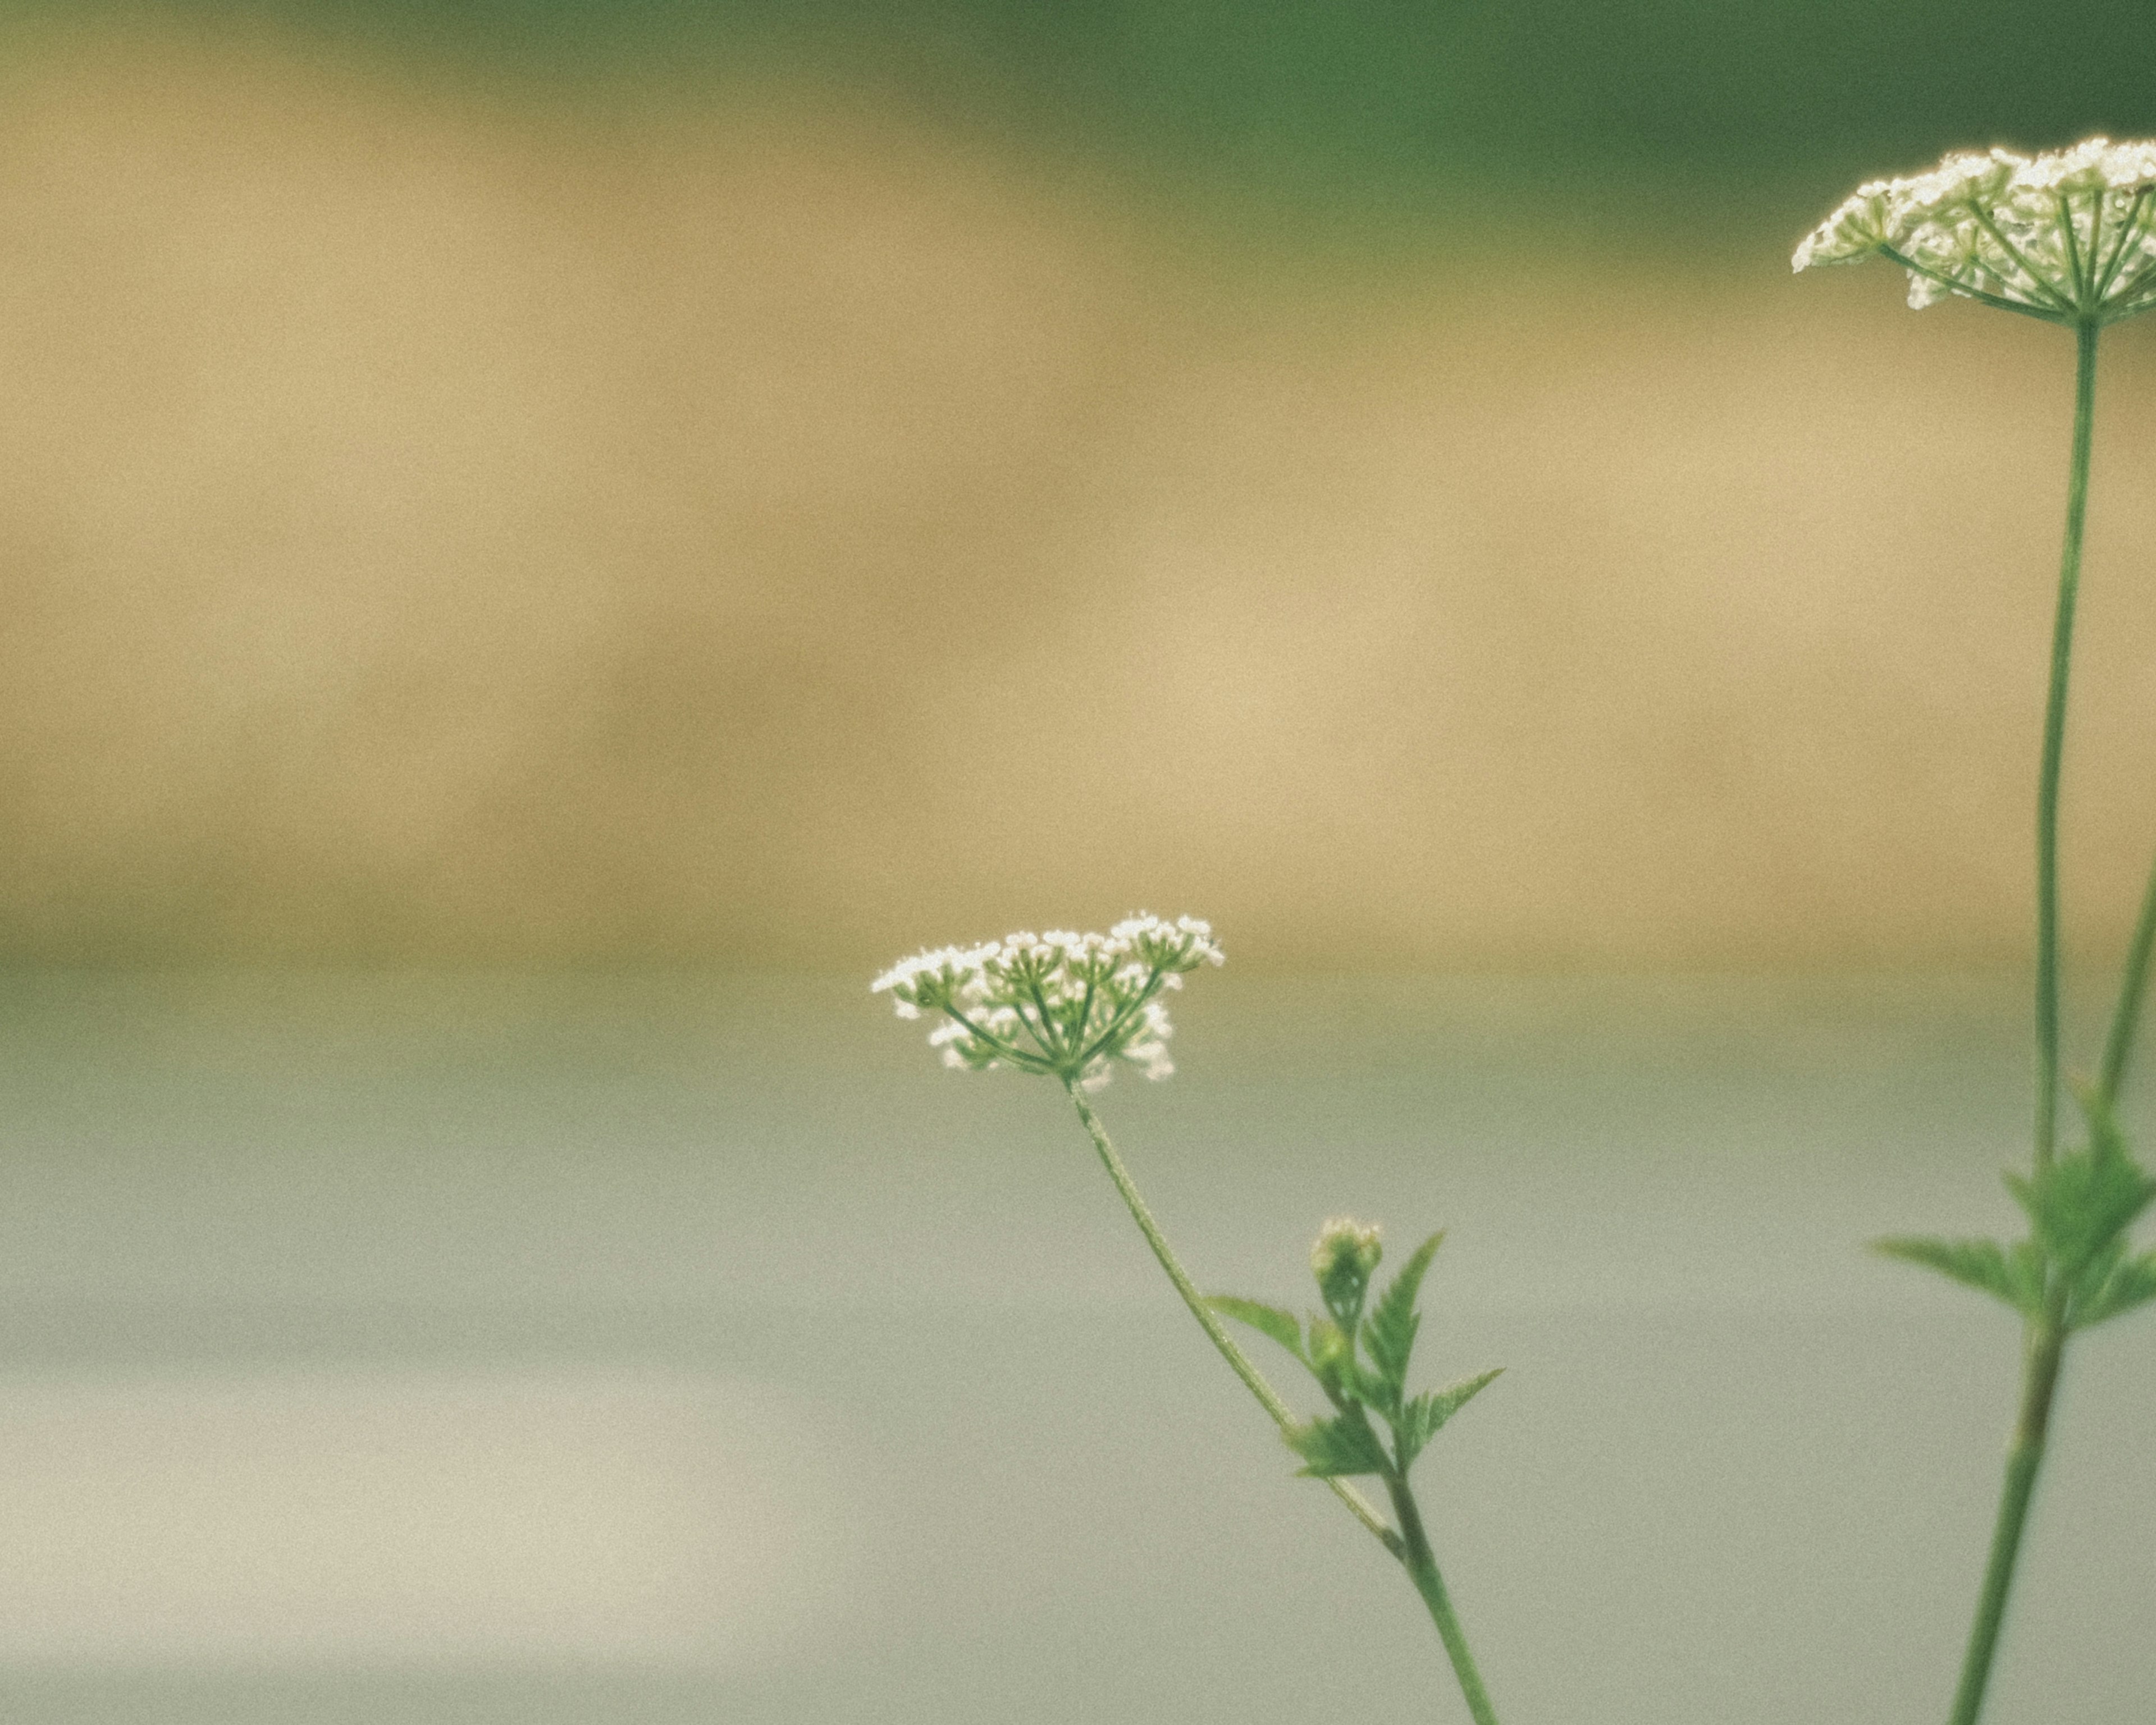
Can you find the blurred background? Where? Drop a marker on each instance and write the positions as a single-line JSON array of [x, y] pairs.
[[547, 540]]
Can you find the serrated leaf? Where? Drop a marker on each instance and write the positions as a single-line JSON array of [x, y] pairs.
[[1389, 1334], [2082, 1202], [1983, 1265], [1421, 1417], [2131, 1282], [1341, 1448], [1270, 1320]]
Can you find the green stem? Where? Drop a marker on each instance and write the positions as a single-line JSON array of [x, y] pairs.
[[2046, 1342], [2015, 253], [2126, 1015], [2054, 736], [2046, 1353], [1210, 1322], [1422, 1566], [1978, 294]]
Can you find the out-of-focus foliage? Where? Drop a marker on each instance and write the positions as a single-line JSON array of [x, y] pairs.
[[1390, 102]]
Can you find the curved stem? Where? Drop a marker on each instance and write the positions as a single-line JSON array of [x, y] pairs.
[[2054, 736], [2024, 1456], [1422, 1565], [1208, 1321]]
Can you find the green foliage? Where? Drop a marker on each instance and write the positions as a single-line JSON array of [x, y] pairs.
[[2014, 1274], [1271, 1320], [1340, 1448], [1367, 1394], [1332, 1359], [2084, 1201], [1389, 1334], [1420, 1418], [2077, 1261], [2123, 1284]]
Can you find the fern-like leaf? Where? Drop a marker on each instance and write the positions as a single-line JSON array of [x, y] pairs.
[[1421, 1417], [1388, 1332]]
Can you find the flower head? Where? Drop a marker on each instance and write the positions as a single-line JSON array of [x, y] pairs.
[[2068, 236], [1343, 1259], [1071, 1005]]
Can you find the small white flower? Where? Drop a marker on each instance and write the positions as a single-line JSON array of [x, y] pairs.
[[1072, 1005], [2068, 236]]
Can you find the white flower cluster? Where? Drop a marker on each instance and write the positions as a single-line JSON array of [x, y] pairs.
[[1068, 1004], [2068, 236]]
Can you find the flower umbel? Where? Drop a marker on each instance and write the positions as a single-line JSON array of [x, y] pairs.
[[1071, 1005], [2068, 236]]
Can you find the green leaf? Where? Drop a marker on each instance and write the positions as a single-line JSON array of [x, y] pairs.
[[1420, 1418], [2082, 1291], [1332, 1359], [1280, 1326], [1389, 1330], [2130, 1282], [1983, 1265], [1336, 1449], [2082, 1202]]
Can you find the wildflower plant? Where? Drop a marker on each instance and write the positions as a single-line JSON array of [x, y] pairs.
[[2067, 237], [1074, 1008]]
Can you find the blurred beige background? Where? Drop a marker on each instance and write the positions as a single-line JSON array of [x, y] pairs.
[[778, 528]]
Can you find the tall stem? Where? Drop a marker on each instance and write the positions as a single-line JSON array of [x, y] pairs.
[[2046, 1352], [2055, 737], [1208, 1321], [2045, 1345], [1422, 1565]]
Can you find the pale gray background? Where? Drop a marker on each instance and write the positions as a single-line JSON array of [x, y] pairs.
[[669, 1348]]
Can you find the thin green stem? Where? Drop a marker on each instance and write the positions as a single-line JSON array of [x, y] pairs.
[[1422, 1566], [1050, 1040], [1909, 263], [2129, 234], [2025, 1457], [1131, 1008], [2126, 1015], [1080, 1029], [1208, 1321], [2045, 1345], [1009, 1051], [2054, 736], [2074, 271], [2129, 285], [1984, 220]]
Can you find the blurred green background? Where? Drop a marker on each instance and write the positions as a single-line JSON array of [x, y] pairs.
[[546, 542]]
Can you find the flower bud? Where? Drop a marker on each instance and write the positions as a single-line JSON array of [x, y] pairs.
[[1343, 1259]]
